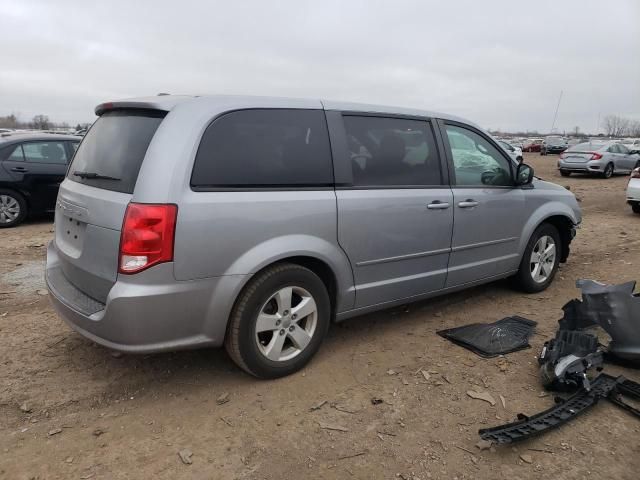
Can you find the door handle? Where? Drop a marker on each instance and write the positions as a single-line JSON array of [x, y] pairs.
[[468, 203], [19, 169], [438, 205]]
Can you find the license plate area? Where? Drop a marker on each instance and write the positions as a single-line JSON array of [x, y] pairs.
[[70, 233]]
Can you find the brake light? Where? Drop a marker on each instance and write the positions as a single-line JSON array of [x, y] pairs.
[[635, 173], [595, 156], [147, 236]]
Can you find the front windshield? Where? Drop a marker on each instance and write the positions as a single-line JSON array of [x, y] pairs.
[[554, 140]]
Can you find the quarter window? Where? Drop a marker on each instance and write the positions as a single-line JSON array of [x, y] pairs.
[[16, 155], [45, 152], [265, 148], [391, 152], [476, 161]]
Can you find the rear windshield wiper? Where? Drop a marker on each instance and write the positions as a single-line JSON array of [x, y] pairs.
[[94, 175]]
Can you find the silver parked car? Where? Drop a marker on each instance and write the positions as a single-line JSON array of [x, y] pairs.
[[254, 222], [600, 158]]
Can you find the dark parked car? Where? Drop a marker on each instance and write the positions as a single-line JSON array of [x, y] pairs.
[[553, 144], [32, 166]]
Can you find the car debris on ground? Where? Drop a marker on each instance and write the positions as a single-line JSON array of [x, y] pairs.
[[567, 360]]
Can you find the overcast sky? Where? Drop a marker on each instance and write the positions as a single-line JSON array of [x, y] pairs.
[[501, 64]]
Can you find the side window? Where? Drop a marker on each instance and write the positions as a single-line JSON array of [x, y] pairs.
[[16, 155], [45, 152], [265, 148], [622, 149], [391, 152], [74, 146], [476, 161]]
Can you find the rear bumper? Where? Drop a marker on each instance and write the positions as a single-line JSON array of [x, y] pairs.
[[592, 166], [633, 191], [147, 312]]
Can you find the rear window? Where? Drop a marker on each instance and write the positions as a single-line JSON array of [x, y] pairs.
[[585, 147], [264, 148], [115, 147]]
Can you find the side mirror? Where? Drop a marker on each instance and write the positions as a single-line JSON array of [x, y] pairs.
[[524, 174]]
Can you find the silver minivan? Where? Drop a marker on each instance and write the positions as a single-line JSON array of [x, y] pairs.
[[255, 222]]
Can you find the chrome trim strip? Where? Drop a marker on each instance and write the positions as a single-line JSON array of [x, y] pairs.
[[483, 244], [403, 257]]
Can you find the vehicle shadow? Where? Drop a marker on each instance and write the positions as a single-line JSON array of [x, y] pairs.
[[212, 369]]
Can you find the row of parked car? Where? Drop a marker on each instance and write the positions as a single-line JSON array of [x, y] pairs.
[[558, 143], [604, 158]]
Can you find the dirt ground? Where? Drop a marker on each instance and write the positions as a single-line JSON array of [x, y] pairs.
[[70, 409]]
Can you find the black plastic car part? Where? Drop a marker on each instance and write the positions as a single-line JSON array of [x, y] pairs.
[[556, 416], [565, 359], [492, 339], [615, 308]]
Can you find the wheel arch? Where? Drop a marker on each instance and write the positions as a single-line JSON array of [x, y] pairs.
[[322, 257], [561, 217]]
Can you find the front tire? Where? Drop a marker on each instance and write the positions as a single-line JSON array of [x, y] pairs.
[[635, 207], [279, 321], [13, 208], [540, 261]]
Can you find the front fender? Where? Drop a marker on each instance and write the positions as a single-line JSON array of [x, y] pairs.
[[287, 246], [542, 213]]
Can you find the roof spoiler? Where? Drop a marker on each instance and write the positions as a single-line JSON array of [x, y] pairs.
[[161, 102]]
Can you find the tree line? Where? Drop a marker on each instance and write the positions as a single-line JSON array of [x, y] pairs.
[[616, 126], [38, 122]]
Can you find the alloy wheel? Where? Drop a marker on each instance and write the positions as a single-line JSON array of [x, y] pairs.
[[9, 209], [608, 171], [286, 323], [543, 259]]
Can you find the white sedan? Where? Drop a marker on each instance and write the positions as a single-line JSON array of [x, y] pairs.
[[633, 191], [513, 151]]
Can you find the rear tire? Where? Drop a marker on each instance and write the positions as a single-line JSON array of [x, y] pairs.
[[13, 208], [635, 207], [565, 173], [608, 171], [274, 296], [529, 279]]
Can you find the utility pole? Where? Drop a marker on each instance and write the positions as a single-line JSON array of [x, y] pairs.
[[555, 116]]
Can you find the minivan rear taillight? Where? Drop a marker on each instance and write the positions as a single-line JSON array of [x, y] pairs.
[[147, 236]]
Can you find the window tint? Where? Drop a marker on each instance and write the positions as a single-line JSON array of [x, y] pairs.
[[115, 146], [265, 148], [391, 151], [476, 161], [45, 152], [74, 145], [16, 155], [622, 148], [613, 148]]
